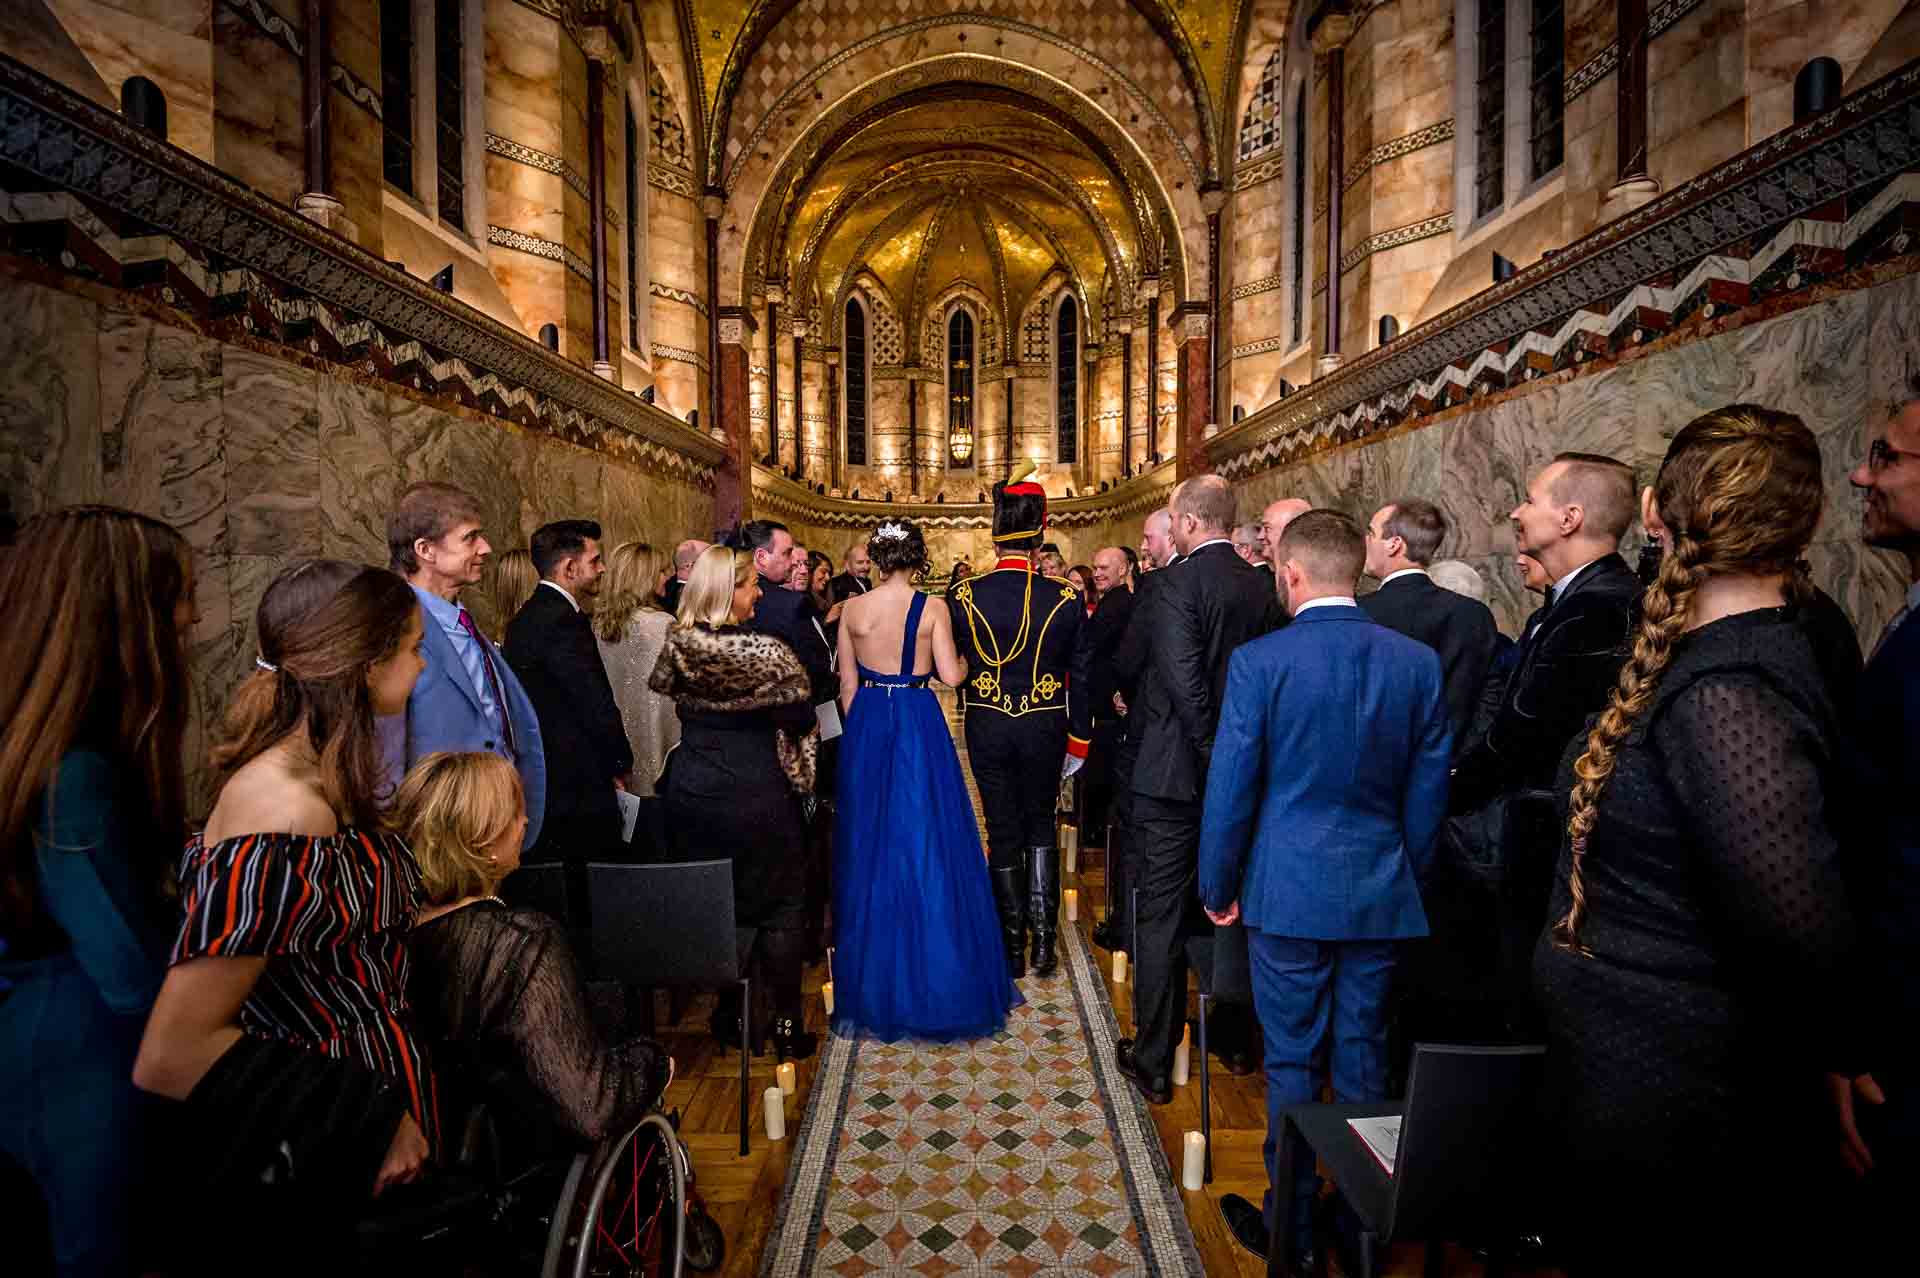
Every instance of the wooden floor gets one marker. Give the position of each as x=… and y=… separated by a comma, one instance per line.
x=743, y=1194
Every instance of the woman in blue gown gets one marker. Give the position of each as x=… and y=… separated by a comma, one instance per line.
x=919, y=953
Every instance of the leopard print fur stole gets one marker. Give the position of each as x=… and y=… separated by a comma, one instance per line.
x=727, y=669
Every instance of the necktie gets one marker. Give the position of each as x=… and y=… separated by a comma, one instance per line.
x=493, y=677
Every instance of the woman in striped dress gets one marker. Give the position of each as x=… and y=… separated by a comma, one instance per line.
x=283, y=1021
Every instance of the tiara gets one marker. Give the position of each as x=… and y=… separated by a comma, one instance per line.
x=890, y=532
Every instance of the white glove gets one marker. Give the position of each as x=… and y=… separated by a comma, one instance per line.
x=1071, y=766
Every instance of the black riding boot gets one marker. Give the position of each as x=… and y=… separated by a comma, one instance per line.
x=1043, y=906
x=1010, y=899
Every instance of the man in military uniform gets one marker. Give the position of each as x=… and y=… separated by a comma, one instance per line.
x=1027, y=714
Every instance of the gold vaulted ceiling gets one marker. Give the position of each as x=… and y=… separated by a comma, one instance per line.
x=984, y=193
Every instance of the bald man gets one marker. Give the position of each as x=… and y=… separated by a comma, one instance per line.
x=1273, y=522
x=1156, y=541
x=684, y=557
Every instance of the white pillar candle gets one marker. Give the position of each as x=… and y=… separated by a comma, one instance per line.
x=1119, y=967
x=1070, y=846
x=826, y=996
x=1193, y=1163
x=1073, y=905
x=1183, y=1060
x=788, y=1076
x=775, y=1103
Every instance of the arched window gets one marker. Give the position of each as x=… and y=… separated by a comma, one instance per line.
x=1511, y=104
x=853, y=360
x=1066, y=380
x=396, y=92
x=960, y=360
x=1547, y=106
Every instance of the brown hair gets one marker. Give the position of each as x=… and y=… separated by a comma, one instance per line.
x=425, y=512
x=1208, y=499
x=1603, y=489
x=514, y=582
x=90, y=655
x=1420, y=524
x=1740, y=493
x=451, y=809
x=632, y=568
x=1329, y=543
x=320, y=625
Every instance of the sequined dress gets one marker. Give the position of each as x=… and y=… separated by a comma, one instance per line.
x=652, y=726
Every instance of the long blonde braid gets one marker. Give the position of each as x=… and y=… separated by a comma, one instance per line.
x=1740, y=493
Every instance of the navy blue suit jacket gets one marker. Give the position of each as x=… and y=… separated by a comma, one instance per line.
x=1328, y=782
x=443, y=713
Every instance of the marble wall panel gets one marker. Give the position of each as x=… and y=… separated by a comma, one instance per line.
x=272, y=412
x=362, y=471
x=258, y=135
x=163, y=445
x=49, y=399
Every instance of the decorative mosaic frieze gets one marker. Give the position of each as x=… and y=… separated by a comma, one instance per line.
x=680, y=295
x=680, y=355
x=1260, y=171
x=670, y=178
x=1394, y=238
x=1252, y=288
x=1659, y=19
x=776, y=495
x=1260, y=347
x=546, y=162
x=1835, y=194
x=92, y=196
x=1394, y=148
x=520, y=241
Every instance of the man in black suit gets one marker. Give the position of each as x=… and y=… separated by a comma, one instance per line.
x=1113, y=575
x=1571, y=521
x=685, y=556
x=1209, y=603
x=854, y=581
x=550, y=646
x=784, y=612
x=1402, y=540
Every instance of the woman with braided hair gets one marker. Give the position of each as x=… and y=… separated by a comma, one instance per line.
x=1693, y=980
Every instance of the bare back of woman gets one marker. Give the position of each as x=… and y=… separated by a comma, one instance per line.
x=873, y=636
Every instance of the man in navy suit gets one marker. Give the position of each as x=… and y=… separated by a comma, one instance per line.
x=468, y=697
x=1884, y=859
x=1327, y=787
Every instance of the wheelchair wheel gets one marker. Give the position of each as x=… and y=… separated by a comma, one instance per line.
x=622, y=1211
x=706, y=1245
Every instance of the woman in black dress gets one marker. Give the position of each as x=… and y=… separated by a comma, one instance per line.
x=732, y=786
x=1694, y=984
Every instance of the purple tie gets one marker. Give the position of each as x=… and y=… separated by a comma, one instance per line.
x=493, y=679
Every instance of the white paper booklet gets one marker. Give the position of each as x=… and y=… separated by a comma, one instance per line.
x=1381, y=1136
x=629, y=813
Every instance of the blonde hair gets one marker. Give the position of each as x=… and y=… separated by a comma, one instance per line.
x=1740, y=493
x=451, y=809
x=708, y=596
x=632, y=568
x=514, y=582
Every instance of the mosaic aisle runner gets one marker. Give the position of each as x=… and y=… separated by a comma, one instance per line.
x=1021, y=1154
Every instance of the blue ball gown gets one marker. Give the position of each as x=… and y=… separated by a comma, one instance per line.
x=918, y=951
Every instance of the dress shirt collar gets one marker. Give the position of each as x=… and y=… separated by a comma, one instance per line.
x=1560, y=586
x=1404, y=572
x=1217, y=541
x=563, y=592
x=1913, y=597
x=444, y=611
x=1327, y=601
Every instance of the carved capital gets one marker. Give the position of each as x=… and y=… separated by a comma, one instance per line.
x=1149, y=288
x=776, y=295
x=1334, y=32
x=712, y=205
x=1213, y=198
x=732, y=331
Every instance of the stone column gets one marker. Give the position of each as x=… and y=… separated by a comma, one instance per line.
x=775, y=295
x=1213, y=199
x=1633, y=185
x=733, y=486
x=1194, y=405
x=317, y=203
x=712, y=205
x=833, y=424
x=1150, y=290
x=597, y=211
x=1330, y=39
x=913, y=434
x=1012, y=369
x=1126, y=397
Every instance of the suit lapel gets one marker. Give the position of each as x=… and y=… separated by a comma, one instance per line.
x=443, y=655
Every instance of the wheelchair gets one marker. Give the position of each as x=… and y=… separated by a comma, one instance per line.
x=625, y=1209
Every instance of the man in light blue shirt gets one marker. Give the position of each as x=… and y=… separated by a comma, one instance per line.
x=467, y=698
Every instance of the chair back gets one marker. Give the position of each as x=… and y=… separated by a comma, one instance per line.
x=664, y=925
x=1219, y=959
x=1464, y=1136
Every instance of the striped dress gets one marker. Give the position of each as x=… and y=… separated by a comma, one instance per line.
x=330, y=914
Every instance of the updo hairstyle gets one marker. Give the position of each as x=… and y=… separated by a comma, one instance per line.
x=898, y=546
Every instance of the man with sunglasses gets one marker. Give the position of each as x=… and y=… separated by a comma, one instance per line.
x=1880, y=1110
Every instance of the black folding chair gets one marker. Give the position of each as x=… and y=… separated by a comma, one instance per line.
x=1220, y=967
x=1464, y=1146
x=672, y=925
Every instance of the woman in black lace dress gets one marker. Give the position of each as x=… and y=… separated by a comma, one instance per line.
x=1694, y=985
x=496, y=988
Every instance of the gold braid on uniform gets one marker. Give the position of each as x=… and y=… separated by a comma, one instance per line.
x=1019, y=640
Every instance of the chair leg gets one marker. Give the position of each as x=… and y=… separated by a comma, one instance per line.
x=746, y=1051
x=1368, y=1265
x=1206, y=1100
